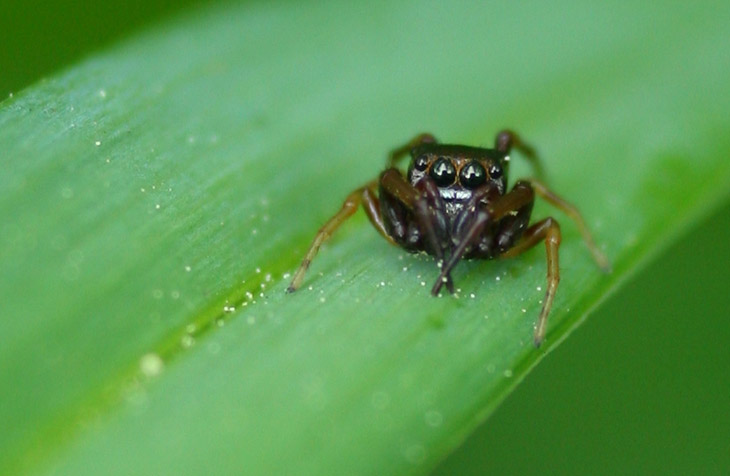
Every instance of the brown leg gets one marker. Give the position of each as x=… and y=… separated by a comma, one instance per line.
x=371, y=205
x=363, y=195
x=574, y=215
x=504, y=142
x=400, y=152
x=507, y=139
x=431, y=217
x=548, y=230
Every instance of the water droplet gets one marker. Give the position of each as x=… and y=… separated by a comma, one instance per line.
x=151, y=364
x=508, y=373
x=97, y=143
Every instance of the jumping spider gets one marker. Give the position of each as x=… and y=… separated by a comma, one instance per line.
x=453, y=204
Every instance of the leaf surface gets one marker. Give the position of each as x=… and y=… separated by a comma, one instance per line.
x=155, y=195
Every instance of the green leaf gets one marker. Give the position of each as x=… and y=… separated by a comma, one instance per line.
x=155, y=195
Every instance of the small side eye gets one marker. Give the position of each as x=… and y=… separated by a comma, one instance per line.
x=495, y=171
x=421, y=163
x=472, y=175
x=443, y=172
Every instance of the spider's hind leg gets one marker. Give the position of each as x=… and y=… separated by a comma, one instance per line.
x=569, y=209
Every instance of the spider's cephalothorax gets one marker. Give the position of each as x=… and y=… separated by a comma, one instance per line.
x=463, y=176
x=453, y=204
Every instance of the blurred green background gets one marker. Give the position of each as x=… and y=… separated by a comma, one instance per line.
x=643, y=387
x=39, y=37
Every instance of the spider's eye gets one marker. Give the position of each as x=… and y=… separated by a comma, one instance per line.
x=495, y=171
x=421, y=163
x=472, y=175
x=443, y=172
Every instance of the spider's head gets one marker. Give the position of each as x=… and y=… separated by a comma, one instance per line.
x=457, y=170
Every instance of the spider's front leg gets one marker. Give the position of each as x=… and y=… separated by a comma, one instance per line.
x=364, y=195
x=423, y=202
x=514, y=207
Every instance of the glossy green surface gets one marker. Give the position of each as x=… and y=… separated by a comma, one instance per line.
x=161, y=188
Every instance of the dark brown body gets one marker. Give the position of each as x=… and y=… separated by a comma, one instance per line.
x=453, y=204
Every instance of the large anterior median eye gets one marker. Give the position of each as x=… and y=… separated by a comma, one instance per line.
x=443, y=172
x=472, y=175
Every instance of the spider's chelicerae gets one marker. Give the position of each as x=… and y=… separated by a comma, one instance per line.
x=453, y=204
